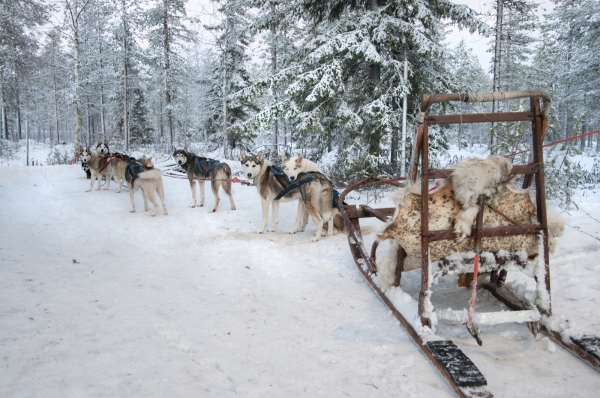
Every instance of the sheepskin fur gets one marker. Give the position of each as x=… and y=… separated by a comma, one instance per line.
x=444, y=208
x=472, y=177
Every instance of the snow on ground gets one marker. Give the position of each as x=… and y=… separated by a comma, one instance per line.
x=99, y=302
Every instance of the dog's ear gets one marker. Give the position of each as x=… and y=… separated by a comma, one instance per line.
x=259, y=157
x=174, y=149
x=284, y=158
x=185, y=148
x=299, y=159
x=242, y=155
x=105, y=142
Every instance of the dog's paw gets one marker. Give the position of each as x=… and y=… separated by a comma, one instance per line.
x=315, y=238
x=88, y=190
x=132, y=211
x=260, y=231
x=291, y=232
x=192, y=206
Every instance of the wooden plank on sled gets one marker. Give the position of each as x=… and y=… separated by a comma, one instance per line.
x=480, y=118
x=530, y=168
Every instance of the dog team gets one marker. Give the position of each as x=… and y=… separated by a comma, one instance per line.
x=298, y=179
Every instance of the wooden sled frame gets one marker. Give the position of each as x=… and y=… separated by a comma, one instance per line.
x=533, y=171
x=585, y=347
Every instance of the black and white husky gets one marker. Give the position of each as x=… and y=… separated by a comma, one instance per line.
x=102, y=148
x=269, y=187
x=201, y=169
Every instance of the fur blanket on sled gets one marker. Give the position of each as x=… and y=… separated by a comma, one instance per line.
x=453, y=205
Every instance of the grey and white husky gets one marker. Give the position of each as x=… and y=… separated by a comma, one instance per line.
x=317, y=194
x=201, y=169
x=269, y=187
x=143, y=176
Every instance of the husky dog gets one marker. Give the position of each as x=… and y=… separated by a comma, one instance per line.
x=102, y=148
x=317, y=194
x=84, y=165
x=99, y=166
x=118, y=165
x=202, y=169
x=269, y=187
x=142, y=175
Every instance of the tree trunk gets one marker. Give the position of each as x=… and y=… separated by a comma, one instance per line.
x=375, y=76
x=275, y=153
x=497, y=56
x=75, y=13
x=4, y=120
x=18, y=98
x=167, y=54
x=125, y=82
x=226, y=148
x=102, y=124
x=56, y=108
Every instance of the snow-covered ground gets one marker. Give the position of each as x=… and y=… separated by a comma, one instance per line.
x=99, y=302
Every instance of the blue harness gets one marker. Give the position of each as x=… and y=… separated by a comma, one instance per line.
x=279, y=174
x=134, y=169
x=336, y=195
x=211, y=164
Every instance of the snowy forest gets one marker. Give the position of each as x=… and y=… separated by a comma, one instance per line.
x=287, y=76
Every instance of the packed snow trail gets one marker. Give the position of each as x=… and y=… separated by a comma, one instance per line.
x=96, y=301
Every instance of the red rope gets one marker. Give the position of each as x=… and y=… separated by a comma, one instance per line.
x=555, y=142
x=474, y=288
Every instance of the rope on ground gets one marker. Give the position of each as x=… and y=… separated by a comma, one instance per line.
x=583, y=232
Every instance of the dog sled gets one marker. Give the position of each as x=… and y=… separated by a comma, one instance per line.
x=433, y=246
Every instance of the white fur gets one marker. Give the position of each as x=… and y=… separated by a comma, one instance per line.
x=148, y=182
x=472, y=177
x=296, y=165
x=255, y=171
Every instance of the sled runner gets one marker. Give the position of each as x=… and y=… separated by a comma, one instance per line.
x=508, y=232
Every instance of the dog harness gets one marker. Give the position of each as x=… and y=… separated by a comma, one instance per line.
x=134, y=170
x=285, y=181
x=336, y=195
x=210, y=165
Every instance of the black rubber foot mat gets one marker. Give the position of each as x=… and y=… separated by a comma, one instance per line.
x=462, y=370
x=589, y=344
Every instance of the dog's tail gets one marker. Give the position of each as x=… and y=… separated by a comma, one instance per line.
x=152, y=174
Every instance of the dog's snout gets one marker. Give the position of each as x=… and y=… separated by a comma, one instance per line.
x=249, y=175
x=292, y=178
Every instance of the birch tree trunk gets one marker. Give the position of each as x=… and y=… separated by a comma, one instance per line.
x=497, y=56
x=125, y=82
x=167, y=55
x=3, y=105
x=226, y=148
x=102, y=124
x=275, y=153
x=74, y=13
